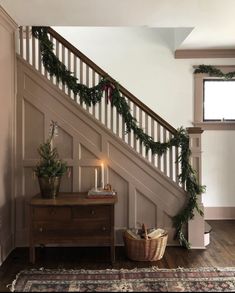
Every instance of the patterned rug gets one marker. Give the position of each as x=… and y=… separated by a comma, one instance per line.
x=137, y=280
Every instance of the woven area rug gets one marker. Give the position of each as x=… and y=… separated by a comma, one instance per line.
x=137, y=280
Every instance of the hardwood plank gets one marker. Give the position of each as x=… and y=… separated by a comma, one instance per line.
x=219, y=253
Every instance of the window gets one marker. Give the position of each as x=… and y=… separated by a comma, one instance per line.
x=219, y=100
x=214, y=101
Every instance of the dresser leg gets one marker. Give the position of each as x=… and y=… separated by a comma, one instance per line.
x=32, y=254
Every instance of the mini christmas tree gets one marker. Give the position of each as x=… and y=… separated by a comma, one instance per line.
x=50, y=165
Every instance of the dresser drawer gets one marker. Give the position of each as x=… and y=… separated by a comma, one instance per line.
x=95, y=227
x=91, y=212
x=75, y=229
x=51, y=213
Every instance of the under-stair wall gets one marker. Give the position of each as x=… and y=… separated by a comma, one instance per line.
x=144, y=194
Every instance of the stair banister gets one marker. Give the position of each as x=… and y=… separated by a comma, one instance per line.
x=88, y=73
x=100, y=71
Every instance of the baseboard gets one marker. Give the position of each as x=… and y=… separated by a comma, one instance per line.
x=198, y=247
x=219, y=213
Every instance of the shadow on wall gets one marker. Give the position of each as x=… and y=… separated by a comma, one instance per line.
x=6, y=201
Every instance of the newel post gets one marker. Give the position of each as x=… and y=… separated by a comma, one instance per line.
x=196, y=227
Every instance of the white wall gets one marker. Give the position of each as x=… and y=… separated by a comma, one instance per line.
x=142, y=60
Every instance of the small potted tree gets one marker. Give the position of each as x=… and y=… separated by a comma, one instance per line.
x=50, y=168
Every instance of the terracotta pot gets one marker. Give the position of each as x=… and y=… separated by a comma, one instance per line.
x=49, y=187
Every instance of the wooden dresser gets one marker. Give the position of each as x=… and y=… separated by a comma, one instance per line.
x=72, y=218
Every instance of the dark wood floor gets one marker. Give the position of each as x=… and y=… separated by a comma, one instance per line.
x=219, y=253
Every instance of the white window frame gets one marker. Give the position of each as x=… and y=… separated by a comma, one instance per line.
x=199, y=99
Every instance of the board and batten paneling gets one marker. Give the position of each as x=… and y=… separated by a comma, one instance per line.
x=145, y=195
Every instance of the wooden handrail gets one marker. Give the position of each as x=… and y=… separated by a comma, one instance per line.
x=101, y=72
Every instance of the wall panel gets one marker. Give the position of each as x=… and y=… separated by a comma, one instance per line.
x=144, y=193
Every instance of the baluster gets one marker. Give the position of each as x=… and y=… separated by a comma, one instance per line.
x=129, y=133
x=153, y=136
x=111, y=117
x=81, y=79
x=147, y=132
x=100, y=104
x=177, y=165
x=135, y=116
x=123, y=127
x=164, y=155
x=69, y=68
x=57, y=55
x=39, y=58
x=45, y=72
x=171, y=157
x=159, y=161
x=105, y=109
x=48, y=74
x=123, y=130
x=21, y=42
x=33, y=52
x=141, y=126
x=27, y=44
x=93, y=84
x=52, y=77
x=87, y=82
x=75, y=72
x=118, y=124
x=63, y=61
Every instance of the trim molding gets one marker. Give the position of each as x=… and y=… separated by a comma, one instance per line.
x=205, y=53
x=6, y=19
x=219, y=213
x=223, y=125
x=198, y=102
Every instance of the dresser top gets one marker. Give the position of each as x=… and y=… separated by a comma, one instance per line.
x=71, y=199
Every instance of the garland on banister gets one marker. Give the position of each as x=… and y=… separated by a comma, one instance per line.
x=93, y=95
x=213, y=71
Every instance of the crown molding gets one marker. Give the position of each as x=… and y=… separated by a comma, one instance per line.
x=205, y=53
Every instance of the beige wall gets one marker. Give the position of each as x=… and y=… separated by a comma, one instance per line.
x=7, y=120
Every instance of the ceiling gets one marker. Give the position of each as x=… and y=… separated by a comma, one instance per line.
x=196, y=24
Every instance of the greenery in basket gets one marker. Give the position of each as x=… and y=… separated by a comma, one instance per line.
x=50, y=165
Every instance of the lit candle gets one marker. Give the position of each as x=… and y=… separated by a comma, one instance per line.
x=102, y=175
x=95, y=178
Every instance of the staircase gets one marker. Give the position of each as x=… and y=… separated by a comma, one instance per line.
x=148, y=187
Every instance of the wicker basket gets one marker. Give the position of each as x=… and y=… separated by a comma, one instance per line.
x=145, y=249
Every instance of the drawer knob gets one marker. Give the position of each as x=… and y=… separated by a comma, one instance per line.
x=103, y=228
x=40, y=229
x=92, y=212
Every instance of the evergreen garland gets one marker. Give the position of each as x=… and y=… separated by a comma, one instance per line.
x=93, y=95
x=213, y=71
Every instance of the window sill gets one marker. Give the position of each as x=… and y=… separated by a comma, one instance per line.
x=215, y=125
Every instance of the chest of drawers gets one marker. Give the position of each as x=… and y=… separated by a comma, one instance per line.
x=72, y=218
